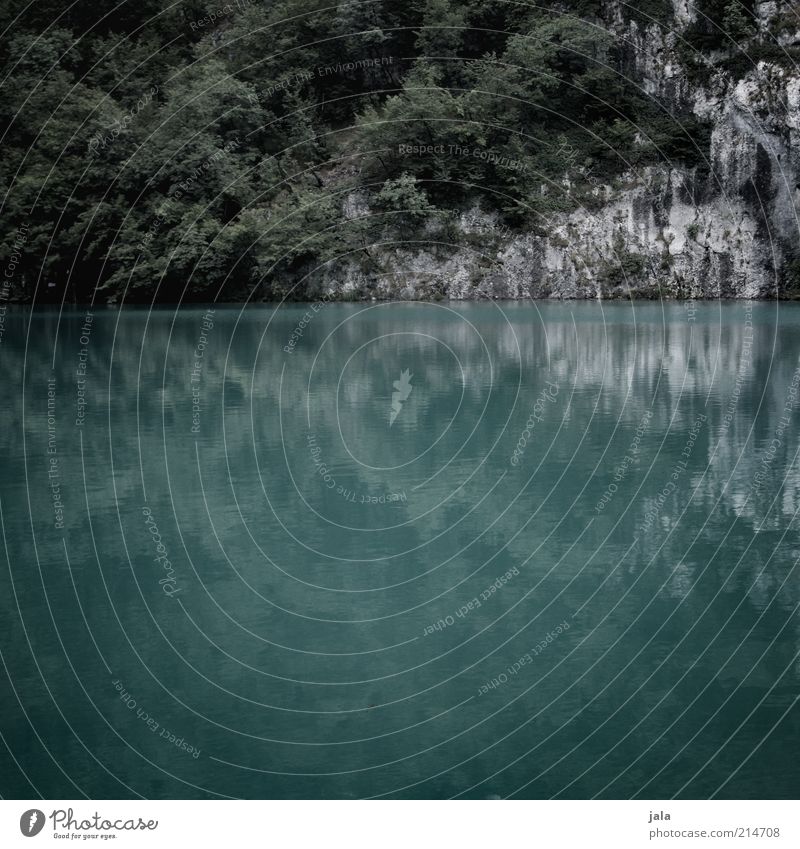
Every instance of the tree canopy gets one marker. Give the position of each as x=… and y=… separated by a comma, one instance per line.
x=164, y=151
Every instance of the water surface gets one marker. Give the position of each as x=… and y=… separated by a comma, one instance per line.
x=557, y=559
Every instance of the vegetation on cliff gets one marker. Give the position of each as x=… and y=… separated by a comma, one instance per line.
x=182, y=151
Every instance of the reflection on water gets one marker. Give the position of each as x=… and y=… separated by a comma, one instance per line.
x=402, y=549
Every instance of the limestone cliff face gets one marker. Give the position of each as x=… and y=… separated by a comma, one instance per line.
x=728, y=229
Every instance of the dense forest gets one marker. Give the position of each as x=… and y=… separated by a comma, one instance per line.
x=188, y=151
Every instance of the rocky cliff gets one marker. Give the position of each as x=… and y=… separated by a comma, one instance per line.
x=725, y=228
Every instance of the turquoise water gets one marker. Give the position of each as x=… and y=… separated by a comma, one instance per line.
x=401, y=550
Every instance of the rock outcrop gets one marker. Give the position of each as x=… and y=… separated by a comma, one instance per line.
x=727, y=228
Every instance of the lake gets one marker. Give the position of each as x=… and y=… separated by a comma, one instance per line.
x=436, y=550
